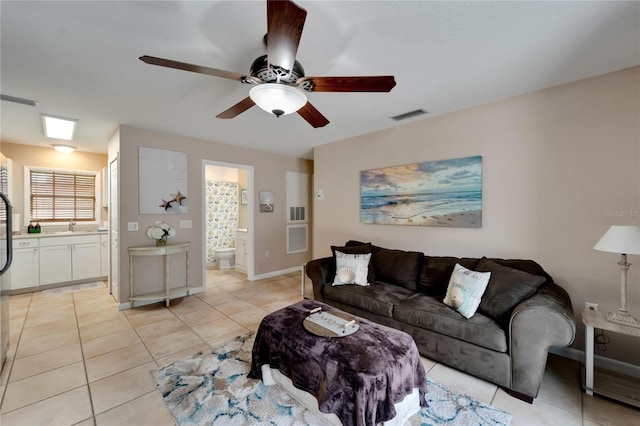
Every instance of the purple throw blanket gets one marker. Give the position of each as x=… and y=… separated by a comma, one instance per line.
x=358, y=377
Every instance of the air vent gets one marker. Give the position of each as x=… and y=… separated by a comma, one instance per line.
x=296, y=214
x=409, y=114
x=22, y=101
x=297, y=238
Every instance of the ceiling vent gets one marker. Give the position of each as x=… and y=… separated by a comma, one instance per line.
x=409, y=114
x=17, y=100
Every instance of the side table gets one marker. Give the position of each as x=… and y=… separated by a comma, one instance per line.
x=608, y=383
x=167, y=292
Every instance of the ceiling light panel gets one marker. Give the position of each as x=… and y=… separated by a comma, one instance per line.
x=59, y=127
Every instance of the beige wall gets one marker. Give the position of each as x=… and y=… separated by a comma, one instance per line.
x=559, y=167
x=27, y=155
x=269, y=173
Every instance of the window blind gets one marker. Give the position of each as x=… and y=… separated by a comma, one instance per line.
x=57, y=196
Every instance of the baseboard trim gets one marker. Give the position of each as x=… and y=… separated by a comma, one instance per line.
x=277, y=273
x=599, y=361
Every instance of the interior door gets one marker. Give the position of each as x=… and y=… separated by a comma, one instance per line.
x=113, y=228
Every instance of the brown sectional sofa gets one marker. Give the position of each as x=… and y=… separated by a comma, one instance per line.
x=522, y=313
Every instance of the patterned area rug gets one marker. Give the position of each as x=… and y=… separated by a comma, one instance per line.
x=212, y=388
x=73, y=288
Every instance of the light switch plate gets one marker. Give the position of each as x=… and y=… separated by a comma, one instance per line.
x=185, y=224
x=132, y=226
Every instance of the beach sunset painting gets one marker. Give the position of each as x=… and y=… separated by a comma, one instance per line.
x=434, y=193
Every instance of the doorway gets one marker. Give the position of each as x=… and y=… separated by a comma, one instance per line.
x=227, y=207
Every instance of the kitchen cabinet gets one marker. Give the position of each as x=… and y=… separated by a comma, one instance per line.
x=85, y=260
x=69, y=258
x=25, y=269
x=104, y=255
x=104, y=194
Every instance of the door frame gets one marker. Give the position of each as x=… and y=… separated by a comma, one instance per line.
x=250, y=196
x=113, y=213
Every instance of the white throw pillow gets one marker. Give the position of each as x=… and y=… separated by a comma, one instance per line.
x=352, y=268
x=465, y=290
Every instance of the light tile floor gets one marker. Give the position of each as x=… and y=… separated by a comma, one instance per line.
x=75, y=359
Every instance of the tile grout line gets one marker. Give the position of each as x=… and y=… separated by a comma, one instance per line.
x=84, y=361
x=25, y=378
x=15, y=353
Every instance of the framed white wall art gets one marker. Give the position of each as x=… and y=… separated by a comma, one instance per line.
x=162, y=181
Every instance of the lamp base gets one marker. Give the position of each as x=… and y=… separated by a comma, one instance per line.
x=623, y=318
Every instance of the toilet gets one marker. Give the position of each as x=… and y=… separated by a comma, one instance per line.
x=226, y=257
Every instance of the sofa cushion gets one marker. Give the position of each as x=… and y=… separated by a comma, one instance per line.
x=507, y=287
x=378, y=298
x=465, y=289
x=351, y=268
x=436, y=272
x=523, y=265
x=362, y=248
x=397, y=267
x=421, y=310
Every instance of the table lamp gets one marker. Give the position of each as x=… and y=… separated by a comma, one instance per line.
x=623, y=239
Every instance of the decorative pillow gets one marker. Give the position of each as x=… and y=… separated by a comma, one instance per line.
x=363, y=248
x=465, y=290
x=436, y=272
x=398, y=267
x=352, y=268
x=507, y=287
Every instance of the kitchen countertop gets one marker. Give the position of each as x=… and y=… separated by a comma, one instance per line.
x=47, y=234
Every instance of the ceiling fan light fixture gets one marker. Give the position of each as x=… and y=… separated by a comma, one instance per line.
x=59, y=127
x=277, y=99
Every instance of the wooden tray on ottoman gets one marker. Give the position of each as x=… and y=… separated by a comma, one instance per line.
x=330, y=324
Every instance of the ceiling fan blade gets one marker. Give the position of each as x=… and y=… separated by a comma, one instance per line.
x=383, y=83
x=285, y=22
x=313, y=116
x=152, y=60
x=237, y=109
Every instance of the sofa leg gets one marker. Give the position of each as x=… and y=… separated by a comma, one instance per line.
x=520, y=396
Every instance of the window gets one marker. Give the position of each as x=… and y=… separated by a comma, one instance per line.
x=60, y=196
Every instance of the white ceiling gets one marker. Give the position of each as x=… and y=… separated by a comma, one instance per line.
x=80, y=60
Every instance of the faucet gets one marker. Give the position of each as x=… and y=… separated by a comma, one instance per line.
x=71, y=225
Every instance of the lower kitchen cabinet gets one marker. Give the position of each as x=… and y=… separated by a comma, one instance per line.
x=52, y=259
x=69, y=258
x=25, y=269
x=105, y=248
x=85, y=261
x=55, y=264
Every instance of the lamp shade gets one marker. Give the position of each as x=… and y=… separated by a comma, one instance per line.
x=278, y=99
x=623, y=239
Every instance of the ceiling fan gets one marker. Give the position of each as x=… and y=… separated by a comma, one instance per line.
x=279, y=82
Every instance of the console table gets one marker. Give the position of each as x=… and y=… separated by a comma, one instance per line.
x=604, y=382
x=168, y=292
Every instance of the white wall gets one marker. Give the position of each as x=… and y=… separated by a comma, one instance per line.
x=559, y=167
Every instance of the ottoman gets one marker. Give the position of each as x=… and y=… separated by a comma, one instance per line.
x=362, y=378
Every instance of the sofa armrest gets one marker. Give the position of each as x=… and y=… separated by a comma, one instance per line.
x=543, y=320
x=320, y=272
